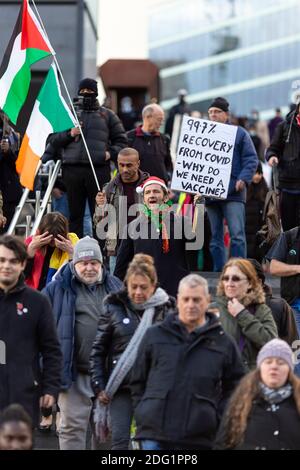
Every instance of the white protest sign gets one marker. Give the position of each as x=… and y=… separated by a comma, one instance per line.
x=204, y=157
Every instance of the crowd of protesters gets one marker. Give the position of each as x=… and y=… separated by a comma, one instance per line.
x=115, y=329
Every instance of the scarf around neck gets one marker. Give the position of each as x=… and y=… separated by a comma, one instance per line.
x=126, y=361
x=275, y=395
x=157, y=218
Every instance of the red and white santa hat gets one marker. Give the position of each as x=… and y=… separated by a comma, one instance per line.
x=151, y=180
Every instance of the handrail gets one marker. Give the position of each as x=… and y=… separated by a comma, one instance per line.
x=46, y=197
x=18, y=211
x=40, y=206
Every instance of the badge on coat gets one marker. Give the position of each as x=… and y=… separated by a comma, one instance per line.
x=126, y=321
x=21, y=309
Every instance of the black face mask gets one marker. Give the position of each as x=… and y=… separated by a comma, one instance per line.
x=88, y=100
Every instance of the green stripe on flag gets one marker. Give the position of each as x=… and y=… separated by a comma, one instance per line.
x=34, y=55
x=52, y=104
x=17, y=93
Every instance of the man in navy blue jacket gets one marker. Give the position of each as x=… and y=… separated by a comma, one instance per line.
x=244, y=164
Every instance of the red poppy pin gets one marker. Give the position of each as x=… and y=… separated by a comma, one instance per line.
x=21, y=309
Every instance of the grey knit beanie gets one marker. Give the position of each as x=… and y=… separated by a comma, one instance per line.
x=276, y=348
x=87, y=249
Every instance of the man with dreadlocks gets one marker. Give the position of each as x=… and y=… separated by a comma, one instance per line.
x=160, y=233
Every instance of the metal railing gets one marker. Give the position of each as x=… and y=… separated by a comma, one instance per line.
x=40, y=205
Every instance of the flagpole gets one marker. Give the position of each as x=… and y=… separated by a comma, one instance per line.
x=70, y=100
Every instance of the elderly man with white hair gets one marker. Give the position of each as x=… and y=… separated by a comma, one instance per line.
x=185, y=371
x=152, y=145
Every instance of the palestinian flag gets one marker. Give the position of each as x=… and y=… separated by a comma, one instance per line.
x=50, y=114
x=28, y=44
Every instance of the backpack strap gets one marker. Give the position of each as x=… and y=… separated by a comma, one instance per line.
x=112, y=191
x=269, y=196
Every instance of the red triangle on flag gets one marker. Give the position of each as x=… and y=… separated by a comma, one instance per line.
x=32, y=37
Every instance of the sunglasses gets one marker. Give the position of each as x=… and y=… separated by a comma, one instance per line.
x=233, y=278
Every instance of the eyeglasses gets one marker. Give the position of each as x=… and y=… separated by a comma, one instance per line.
x=233, y=278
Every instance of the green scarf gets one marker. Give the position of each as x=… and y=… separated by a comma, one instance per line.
x=157, y=217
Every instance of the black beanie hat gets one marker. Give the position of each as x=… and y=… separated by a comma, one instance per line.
x=89, y=83
x=258, y=268
x=220, y=103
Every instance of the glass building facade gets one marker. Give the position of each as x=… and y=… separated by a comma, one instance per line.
x=245, y=50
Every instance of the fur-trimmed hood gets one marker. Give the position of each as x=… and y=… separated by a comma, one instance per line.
x=255, y=296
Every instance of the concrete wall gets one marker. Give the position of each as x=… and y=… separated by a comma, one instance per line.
x=60, y=22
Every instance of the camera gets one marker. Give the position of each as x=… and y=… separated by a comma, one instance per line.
x=83, y=103
x=78, y=106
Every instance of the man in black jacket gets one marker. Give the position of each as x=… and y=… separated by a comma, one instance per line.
x=27, y=335
x=105, y=137
x=284, y=151
x=187, y=367
x=10, y=186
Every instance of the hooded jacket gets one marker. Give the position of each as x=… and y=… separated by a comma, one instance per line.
x=181, y=382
